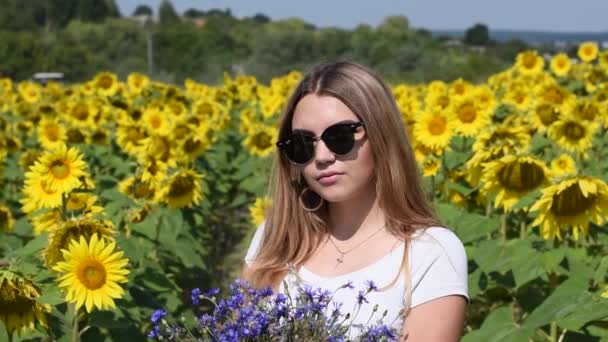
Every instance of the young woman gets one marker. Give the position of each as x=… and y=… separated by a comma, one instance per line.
x=348, y=205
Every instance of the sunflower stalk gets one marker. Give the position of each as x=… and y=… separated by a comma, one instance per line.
x=75, y=330
x=503, y=227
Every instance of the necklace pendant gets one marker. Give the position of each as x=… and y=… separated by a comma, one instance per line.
x=340, y=260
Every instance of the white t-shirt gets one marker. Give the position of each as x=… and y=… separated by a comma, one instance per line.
x=438, y=264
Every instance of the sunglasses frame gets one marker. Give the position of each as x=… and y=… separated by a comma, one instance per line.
x=282, y=144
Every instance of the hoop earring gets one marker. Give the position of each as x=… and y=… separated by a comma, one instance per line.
x=321, y=200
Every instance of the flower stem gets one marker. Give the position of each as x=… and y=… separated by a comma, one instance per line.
x=75, y=332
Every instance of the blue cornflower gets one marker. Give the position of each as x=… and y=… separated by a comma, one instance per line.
x=335, y=339
x=280, y=298
x=154, y=332
x=157, y=315
x=348, y=285
x=371, y=286
x=214, y=291
x=361, y=298
x=194, y=296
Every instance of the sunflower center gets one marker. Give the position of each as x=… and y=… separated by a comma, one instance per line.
x=105, y=82
x=554, y=95
x=3, y=218
x=181, y=186
x=156, y=122
x=529, y=61
x=262, y=140
x=75, y=136
x=60, y=169
x=205, y=109
x=467, y=113
x=521, y=176
x=571, y=201
x=546, y=114
x=92, y=274
x=76, y=201
x=14, y=302
x=81, y=112
x=191, y=145
x=437, y=125
x=573, y=130
x=586, y=112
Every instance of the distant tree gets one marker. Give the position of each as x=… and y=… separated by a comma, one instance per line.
x=166, y=13
x=260, y=18
x=478, y=35
x=96, y=10
x=143, y=10
x=194, y=13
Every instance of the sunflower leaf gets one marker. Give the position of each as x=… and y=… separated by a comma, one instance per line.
x=51, y=295
x=539, y=142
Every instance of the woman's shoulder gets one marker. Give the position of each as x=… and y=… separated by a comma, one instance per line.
x=435, y=242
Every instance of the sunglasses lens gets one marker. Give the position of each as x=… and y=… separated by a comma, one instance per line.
x=339, y=139
x=301, y=148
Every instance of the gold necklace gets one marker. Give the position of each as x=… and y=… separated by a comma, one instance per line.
x=341, y=258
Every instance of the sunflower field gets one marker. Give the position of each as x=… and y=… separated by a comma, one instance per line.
x=119, y=197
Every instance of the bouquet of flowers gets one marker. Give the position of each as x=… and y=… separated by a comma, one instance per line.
x=262, y=315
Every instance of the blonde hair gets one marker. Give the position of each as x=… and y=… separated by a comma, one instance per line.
x=291, y=234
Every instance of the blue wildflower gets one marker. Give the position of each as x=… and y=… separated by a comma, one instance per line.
x=154, y=332
x=361, y=298
x=371, y=286
x=194, y=296
x=157, y=315
x=212, y=292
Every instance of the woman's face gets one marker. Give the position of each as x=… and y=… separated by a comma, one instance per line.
x=355, y=169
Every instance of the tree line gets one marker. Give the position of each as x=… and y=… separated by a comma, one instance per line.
x=83, y=37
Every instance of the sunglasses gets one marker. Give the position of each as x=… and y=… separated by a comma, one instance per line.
x=339, y=138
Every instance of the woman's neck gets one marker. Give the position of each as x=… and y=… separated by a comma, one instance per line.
x=360, y=215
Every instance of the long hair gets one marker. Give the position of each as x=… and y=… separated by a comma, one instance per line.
x=291, y=234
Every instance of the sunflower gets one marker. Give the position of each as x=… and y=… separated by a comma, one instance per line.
x=51, y=133
x=105, y=83
x=563, y=165
x=553, y=93
x=519, y=97
x=468, y=118
x=460, y=88
x=7, y=221
x=260, y=140
x=512, y=177
x=195, y=144
x=543, y=115
x=560, y=64
x=19, y=309
x=271, y=106
x=584, y=109
x=587, y=51
x=137, y=82
x=61, y=169
x=83, y=202
x=82, y=113
x=75, y=135
x=158, y=147
x=502, y=140
x=156, y=121
x=154, y=171
x=603, y=60
x=430, y=166
x=573, y=202
x=37, y=194
x=92, y=272
x=183, y=189
x=572, y=134
x=434, y=129
x=129, y=136
x=47, y=221
x=137, y=189
x=259, y=210
x=529, y=62
x=31, y=92
x=71, y=229
x=24, y=127
x=28, y=158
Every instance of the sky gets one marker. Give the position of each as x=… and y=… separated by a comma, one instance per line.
x=537, y=15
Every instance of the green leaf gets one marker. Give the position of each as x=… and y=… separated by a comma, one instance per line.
x=563, y=301
x=528, y=200
x=539, y=142
x=525, y=261
x=453, y=159
x=464, y=190
x=468, y=226
x=51, y=295
x=499, y=326
x=33, y=247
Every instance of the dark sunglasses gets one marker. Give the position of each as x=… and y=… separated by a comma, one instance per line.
x=339, y=138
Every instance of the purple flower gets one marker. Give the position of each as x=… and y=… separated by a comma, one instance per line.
x=348, y=285
x=361, y=298
x=214, y=291
x=157, y=315
x=194, y=296
x=154, y=332
x=371, y=286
